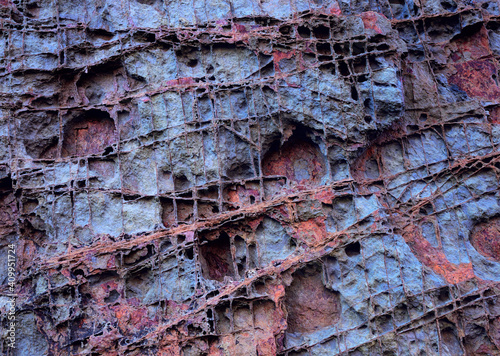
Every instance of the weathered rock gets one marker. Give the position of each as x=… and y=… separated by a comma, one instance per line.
x=250, y=178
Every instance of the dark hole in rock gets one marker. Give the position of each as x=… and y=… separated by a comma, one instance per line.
x=166, y=246
x=189, y=253
x=374, y=63
x=469, y=299
x=368, y=103
x=285, y=30
x=321, y=32
x=6, y=184
x=358, y=48
x=32, y=10
x=444, y=295
x=384, y=323
x=449, y=5
x=80, y=330
x=383, y=47
x=252, y=256
x=100, y=34
x=323, y=48
x=241, y=268
x=354, y=93
x=353, y=249
x=131, y=197
x=426, y=209
x=147, y=2
x=304, y=31
x=144, y=36
x=344, y=69
x=88, y=133
x=341, y=49
x=216, y=260
x=359, y=65
x=310, y=305
x=211, y=192
x=192, y=63
x=78, y=272
x=8, y=207
x=328, y=68
x=362, y=79
x=113, y=297
x=212, y=294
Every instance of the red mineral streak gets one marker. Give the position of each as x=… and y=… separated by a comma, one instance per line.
x=472, y=47
x=485, y=237
x=312, y=232
x=434, y=258
x=494, y=117
x=278, y=56
x=476, y=79
x=371, y=21
x=297, y=160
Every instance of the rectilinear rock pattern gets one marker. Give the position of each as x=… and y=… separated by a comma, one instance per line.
x=251, y=177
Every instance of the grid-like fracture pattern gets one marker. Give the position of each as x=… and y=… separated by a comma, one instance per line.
x=251, y=177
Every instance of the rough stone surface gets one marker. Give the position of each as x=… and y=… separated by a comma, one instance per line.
x=253, y=178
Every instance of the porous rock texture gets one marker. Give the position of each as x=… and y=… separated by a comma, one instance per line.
x=251, y=177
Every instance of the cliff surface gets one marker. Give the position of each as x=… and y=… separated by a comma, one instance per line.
x=250, y=177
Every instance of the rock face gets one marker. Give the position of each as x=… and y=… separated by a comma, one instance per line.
x=251, y=177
